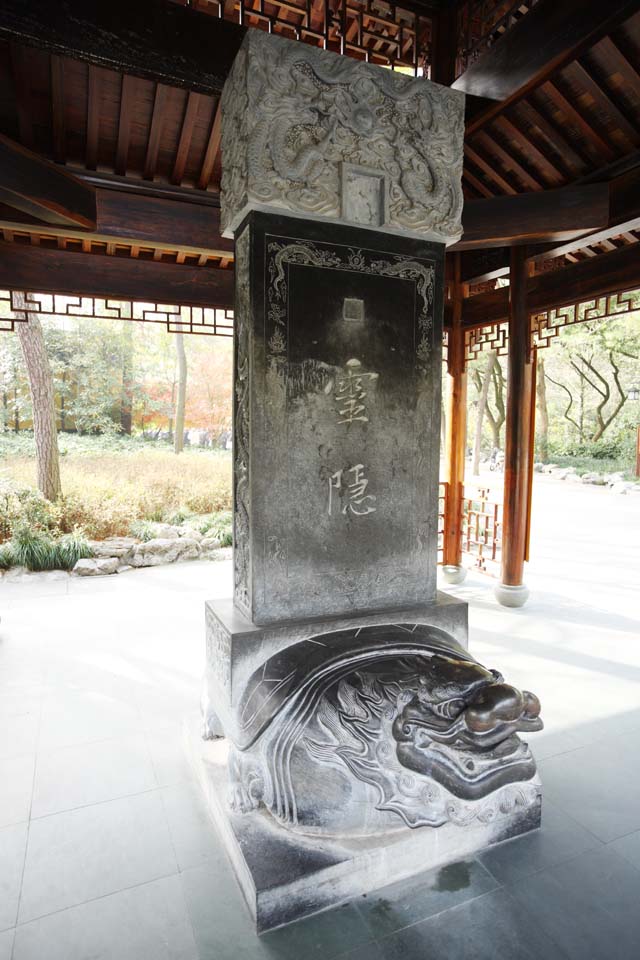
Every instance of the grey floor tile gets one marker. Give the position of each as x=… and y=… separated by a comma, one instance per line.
x=491, y=927
x=94, y=851
x=18, y=735
x=6, y=944
x=91, y=773
x=402, y=904
x=598, y=785
x=222, y=926
x=370, y=951
x=558, y=839
x=16, y=777
x=193, y=834
x=323, y=936
x=224, y=930
x=629, y=848
x=149, y=922
x=13, y=842
x=590, y=905
x=84, y=716
x=169, y=758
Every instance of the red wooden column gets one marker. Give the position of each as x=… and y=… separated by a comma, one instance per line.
x=456, y=423
x=512, y=592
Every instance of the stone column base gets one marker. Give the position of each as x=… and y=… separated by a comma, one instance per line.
x=454, y=573
x=512, y=595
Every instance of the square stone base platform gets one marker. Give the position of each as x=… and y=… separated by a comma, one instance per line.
x=285, y=876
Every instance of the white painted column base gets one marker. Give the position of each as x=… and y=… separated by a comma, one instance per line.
x=454, y=573
x=512, y=595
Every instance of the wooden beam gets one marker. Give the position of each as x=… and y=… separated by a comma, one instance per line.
x=602, y=99
x=43, y=190
x=599, y=276
x=527, y=145
x=126, y=217
x=534, y=217
x=186, y=133
x=57, y=109
x=155, y=132
x=542, y=42
x=93, y=116
x=212, y=156
x=165, y=42
x=60, y=271
x=577, y=118
x=508, y=160
x=489, y=169
x=554, y=137
x=127, y=98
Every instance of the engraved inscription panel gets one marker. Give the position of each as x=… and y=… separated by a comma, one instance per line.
x=345, y=420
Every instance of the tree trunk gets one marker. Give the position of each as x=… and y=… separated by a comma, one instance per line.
x=482, y=406
x=178, y=440
x=126, y=400
x=543, y=413
x=43, y=402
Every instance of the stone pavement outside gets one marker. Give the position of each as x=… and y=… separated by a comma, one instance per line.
x=106, y=852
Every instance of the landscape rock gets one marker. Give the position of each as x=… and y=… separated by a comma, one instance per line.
x=164, y=550
x=622, y=486
x=164, y=531
x=191, y=534
x=209, y=544
x=550, y=467
x=124, y=567
x=99, y=567
x=17, y=573
x=612, y=478
x=538, y=467
x=112, y=547
x=596, y=478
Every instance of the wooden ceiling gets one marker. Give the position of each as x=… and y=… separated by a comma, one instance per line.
x=145, y=132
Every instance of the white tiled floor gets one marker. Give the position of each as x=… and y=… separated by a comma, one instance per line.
x=106, y=851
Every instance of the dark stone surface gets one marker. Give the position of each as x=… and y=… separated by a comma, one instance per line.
x=337, y=419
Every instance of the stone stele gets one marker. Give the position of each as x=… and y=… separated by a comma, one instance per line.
x=315, y=134
x=352, y=739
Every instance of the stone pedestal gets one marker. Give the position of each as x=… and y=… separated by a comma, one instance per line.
x=361, y=740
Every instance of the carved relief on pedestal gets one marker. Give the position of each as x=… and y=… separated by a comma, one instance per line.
x=318, y=134
x=345, y=733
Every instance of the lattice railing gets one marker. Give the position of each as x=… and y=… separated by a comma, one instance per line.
x=183, y=318
x=481, y=529
x=390, y=34
x=443, y=491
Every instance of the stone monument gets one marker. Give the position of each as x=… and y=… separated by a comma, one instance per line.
x=351, y=739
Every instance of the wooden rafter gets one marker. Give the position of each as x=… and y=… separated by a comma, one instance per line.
x=186, y=133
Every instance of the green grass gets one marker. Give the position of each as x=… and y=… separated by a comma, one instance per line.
x=585, y=464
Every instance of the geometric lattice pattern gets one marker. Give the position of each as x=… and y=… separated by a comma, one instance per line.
x=211, y=321
x=481, y=22
x=385, y=33
x=494, y=337
x=481, y=529
x=546, y=326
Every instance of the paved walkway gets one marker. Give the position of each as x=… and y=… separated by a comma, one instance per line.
x=106, y=852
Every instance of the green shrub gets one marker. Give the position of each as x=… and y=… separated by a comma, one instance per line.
x=70, y=548
x=143, y=530
x=38, y=551
x=222, y=528
x=7, y=559
x=33, y=549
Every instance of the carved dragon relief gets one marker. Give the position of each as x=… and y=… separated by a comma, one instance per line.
x=359, y=735
x=241, y=426
x=293, y=114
